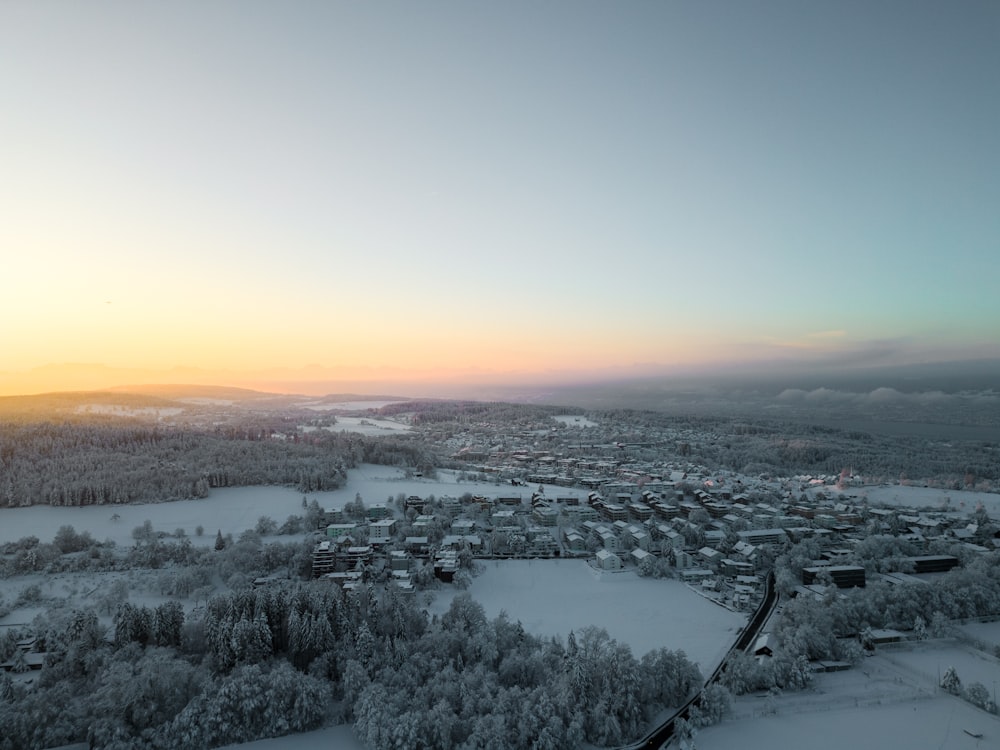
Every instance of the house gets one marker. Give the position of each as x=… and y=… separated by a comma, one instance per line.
x=378, y=511
x=446, y=565
x=682, y=559
x=347, y=580
x=574, y=541
x=399, y=561
x=759, y=537
x=323, y=559
x=843, y=576
x=380, y=532
x=422, y=521
x=544, y=515
x=764, y=645
x=338, y=530
x=737, y=568
x=608, y=560
x=353, y=555
x=540, y=541
x=417, y=544
x=710, y=557
x=580, y=513
x=458, y=541
x=696, y=575
x=714, y=537
x=416, y=502
x=638, y=555
x=613, y=512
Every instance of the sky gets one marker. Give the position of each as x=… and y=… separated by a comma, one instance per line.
x=223, y=190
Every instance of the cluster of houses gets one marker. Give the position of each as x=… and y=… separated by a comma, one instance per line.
x=707, y=528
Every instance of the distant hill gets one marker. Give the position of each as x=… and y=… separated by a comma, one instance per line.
x=180, y=391
x=46, y=404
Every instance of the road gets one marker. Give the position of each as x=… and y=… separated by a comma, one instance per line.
x=659, y=736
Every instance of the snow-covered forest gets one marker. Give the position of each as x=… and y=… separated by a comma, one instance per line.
x=269, y=661
x=87, y=462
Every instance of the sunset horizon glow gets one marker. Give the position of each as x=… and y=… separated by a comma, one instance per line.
x=241, y=193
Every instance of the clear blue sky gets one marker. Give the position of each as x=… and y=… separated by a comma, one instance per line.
x=500, y=187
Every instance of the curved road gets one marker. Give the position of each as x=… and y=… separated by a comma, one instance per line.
x=661, y=734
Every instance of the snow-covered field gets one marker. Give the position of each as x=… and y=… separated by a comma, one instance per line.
x=962, y=501
x=79, y=590
x=234, y=509
x=888, y=700
x=553, y=597
x=983, y=632
x=377, y=483
x=936, y=723
x=130, y=411
x=347, y=405
x=928, y=660
x=333, y=738
x=365, y=426
x=231, y=510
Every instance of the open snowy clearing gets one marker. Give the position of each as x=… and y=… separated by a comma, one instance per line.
x=338, y=738
x=236, y=509
x=377, y=483
x=81, y=590
x=983, y=632
x=346, y=405
x=365, y=425
x=963, y=501
x=917, y=724
x=118, y=410
x=231, y=510
x=931, y=659
x=887, y=700
x=553, y=597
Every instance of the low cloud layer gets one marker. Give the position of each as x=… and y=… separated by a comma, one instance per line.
x=883, y=397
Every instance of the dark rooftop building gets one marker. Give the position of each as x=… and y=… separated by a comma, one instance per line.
x=843, y=576
x=933, y=563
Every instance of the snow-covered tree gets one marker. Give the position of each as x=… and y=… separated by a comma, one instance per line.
x=951, y=682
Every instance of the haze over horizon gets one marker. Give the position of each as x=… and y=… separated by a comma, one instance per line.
x=494, y=193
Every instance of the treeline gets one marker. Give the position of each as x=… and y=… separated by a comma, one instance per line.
x=112, y=462
x=270, y=661
x=788, y=448
x=475, y=412
x=817, y=630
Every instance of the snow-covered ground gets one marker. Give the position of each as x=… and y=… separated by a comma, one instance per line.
x=346, y=405
x=79, y=590
x=930, y=659
x=377, y=483
x=888, y=700
x=365, y=426
x=553, y=597
x=962, y=501
x=983, y=632
x=119, y=410
x=236, y=509
x=333, y=738
x=231, y=510
x=936, y=723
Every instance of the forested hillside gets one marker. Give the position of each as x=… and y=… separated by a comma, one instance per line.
x=111, y=461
